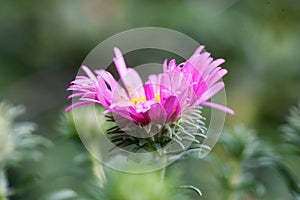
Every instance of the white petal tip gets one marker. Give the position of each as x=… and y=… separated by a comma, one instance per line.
x=199, y=49
x=118, y=52
x=230, y=112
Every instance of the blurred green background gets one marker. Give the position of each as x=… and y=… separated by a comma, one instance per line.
x=43, y=43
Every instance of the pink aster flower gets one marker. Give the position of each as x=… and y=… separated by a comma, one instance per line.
x=163, y=99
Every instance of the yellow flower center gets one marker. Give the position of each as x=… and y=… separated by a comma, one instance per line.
x=142, y=99
x=137, y=100
x=157, y=97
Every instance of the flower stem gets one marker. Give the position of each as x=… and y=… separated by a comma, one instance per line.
x=97, y=167
x=98, y=172
x=3, y=185
x=162, y=173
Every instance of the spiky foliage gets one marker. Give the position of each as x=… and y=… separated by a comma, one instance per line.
x=291, y=130
x=16, y=139
x=240, y=154
x=70, y=125
x=188, y=129
x=17, y=142
x=117, y=185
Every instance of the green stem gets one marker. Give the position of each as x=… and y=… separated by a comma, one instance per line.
x=97, y=168
x=98, y=172
x=3, y=185
x=162, y=173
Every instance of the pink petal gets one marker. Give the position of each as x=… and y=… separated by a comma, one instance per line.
x=75, y=105
x=212, y=66
x=90, y=100
x=101, y=87
x=149, y=92
x=172, y=107
x=109, y=79
x=165, y=65
x=144, y=106
x=130, y=78
x=123, y=112
x=89, y=73
x=219, y=107
x=155, y=81
x=213, y=79
x=199, y=49
x=210, y=92
x=133, y=83
x=157, y=114
x=120, y=62
x=172, y=64
x=119, y=95
x=75, y=95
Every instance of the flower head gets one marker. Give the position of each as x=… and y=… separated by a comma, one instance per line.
x=159, y=102
x=180, y=86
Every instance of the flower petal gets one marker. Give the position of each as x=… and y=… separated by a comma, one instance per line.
x=89, y=73
x=120, y=62
x=75, y=105
x=217, y=76
x=219, y=107
x=172, y=107
x=210, y=92
x=199, y=49
x=149, y=92
x=130, y=78
x=157, y=114
x=108, y=78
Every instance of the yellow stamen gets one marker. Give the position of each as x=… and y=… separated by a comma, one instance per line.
x=137, y=100
x=142, y=99
x=157, y=97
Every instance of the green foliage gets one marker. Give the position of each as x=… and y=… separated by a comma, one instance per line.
x=258, y=38
x=117, y=185
x=239, y=157
x=76, y=162
x=17, y=142
x=150, y=186
x=291, y=130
